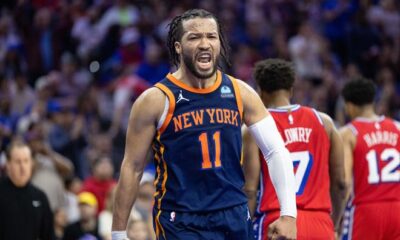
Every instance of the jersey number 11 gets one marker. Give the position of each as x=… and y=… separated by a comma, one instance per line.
x=203, y=138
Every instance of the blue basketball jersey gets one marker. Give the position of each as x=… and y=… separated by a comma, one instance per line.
x=198, y=147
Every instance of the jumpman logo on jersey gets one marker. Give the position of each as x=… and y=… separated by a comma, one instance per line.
x=181, y=97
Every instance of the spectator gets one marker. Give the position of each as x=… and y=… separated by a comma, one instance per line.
x=388, y=93
x=24, y=210
x=87, y=226
x=22, y=95
x=66, y=136
x=43, y=44
x=101, y=182
x=130, y=52
x=100, y=145
x=142, y=209
x=73, y=80
x=60, y=222
x=306, y=50
x=336, y=15
x=105, y=216
x=73, y=186
x=86, y=32
x=122, y=13
x=365, y=44
x=154, y=67
x=386, y=16
x=137, y=230
x=50, y=168
x=6, y=121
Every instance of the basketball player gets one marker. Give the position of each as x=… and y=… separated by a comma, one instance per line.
x=192, y=119
x=316, y=151
x=372, y=161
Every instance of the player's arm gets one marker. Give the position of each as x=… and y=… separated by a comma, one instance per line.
x=252, y=168
x=338, y=183
x=140, y=134
x=263, y=128
x=349, y=141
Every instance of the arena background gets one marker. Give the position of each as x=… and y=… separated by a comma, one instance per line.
x=70, y=70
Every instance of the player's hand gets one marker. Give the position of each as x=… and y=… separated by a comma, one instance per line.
x=337, y=235
x=284, y=228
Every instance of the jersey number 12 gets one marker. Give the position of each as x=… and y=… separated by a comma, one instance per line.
x=389, y=173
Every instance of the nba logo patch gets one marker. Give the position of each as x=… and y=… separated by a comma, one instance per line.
x=226, y=92
x=172, y=217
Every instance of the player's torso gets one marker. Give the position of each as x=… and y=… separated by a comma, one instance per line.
x=198, y=154
x=305, y=137
x=376, y=160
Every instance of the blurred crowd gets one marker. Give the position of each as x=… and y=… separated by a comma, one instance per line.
x=70, y=70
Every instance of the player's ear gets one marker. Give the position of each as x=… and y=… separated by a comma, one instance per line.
x=178, y=47
x=348, y=108
x=258, y=90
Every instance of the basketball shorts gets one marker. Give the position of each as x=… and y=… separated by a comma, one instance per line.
x=227, y=224
x=373, y=221
x=311, y=225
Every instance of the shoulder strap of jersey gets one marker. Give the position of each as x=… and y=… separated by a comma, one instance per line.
x=239, y=102
x=352, y=128
x=318, y=116
x=397, y=124
x=171, y=108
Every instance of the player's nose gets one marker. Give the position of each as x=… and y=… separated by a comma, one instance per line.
x=204, y=44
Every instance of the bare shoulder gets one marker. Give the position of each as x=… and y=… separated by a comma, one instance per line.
x=347, y=133
x=245, y=89
x=150, y=104
x=327, y=121
x=253, y=108
x=248, y=94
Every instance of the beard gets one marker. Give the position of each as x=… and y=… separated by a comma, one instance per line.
x=190, y=64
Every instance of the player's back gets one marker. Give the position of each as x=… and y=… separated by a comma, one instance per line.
x=376, y=160
x=305, y=137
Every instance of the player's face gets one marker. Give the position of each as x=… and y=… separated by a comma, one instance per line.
x=19, y=166
x=200, y=46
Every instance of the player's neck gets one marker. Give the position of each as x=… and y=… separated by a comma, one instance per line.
x=184, y=75
x=278, y=104
x=368, y=113
x=277, y=99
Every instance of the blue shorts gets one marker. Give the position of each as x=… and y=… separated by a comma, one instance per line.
x=231, y=223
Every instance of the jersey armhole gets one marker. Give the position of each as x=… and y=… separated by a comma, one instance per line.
x=352, y=129
x=170, y=103
x=238, y=96
x=164, y=114
x=318, y=116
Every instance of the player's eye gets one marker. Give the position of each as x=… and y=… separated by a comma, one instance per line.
x=193, y=37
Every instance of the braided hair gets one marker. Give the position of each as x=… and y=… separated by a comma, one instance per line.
x=175, y=34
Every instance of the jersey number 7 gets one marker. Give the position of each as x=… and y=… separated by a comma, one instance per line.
x=303, y=161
